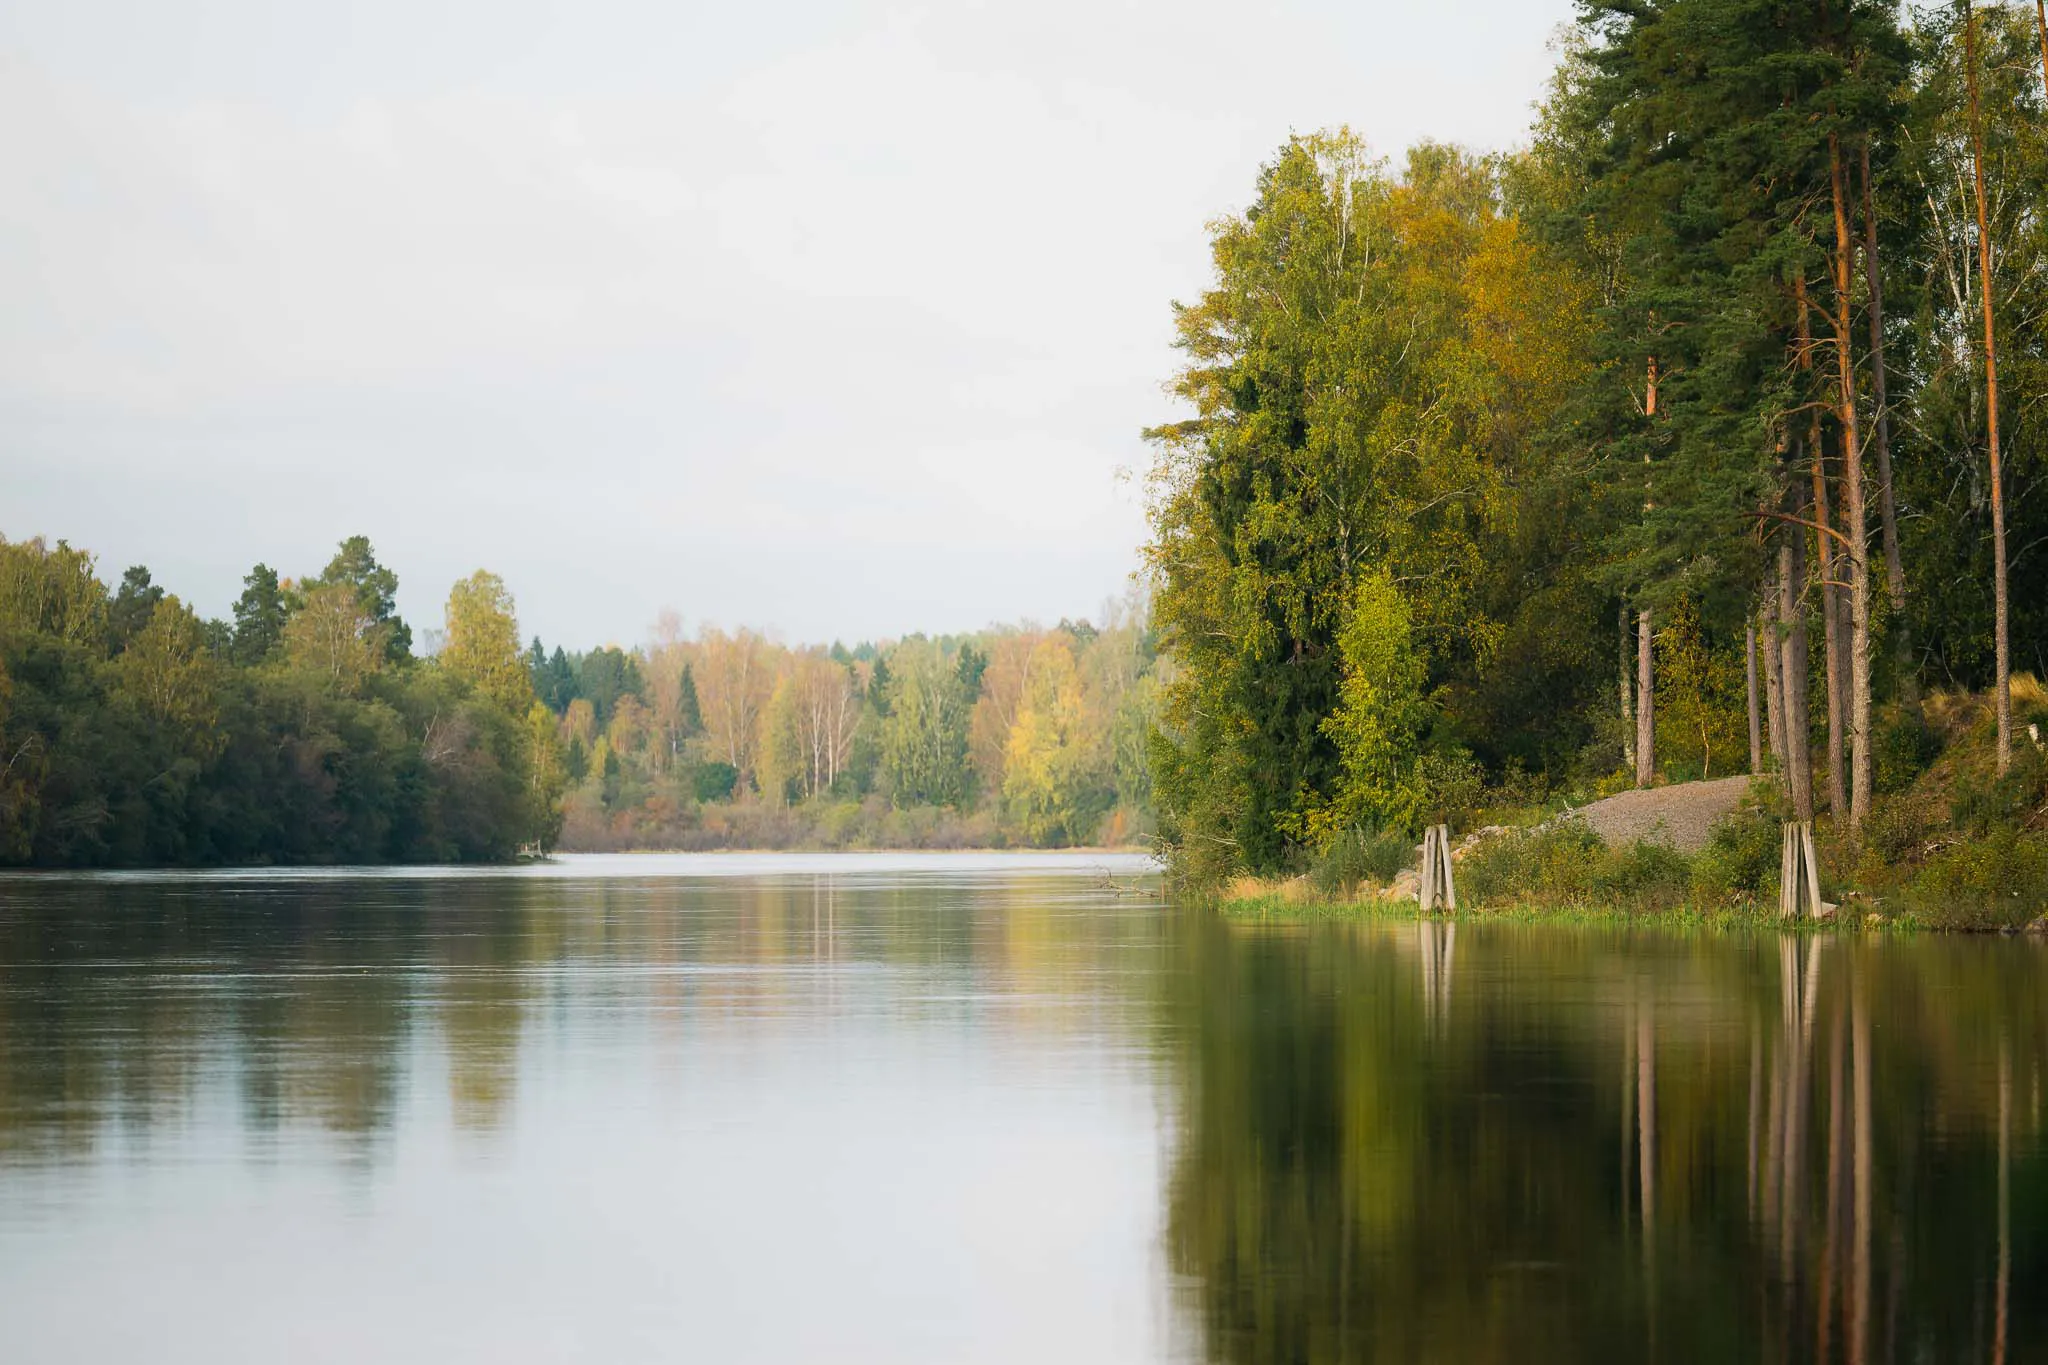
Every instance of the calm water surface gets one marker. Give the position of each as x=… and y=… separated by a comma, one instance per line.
x=989, y=1109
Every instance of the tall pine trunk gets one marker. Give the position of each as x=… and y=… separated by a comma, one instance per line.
x=2000, y=606
x=1855, y=510
x=1887, y=502
x=1774, y=689
x=1646, y=658
x=1798, y=757
x=1756, y=728
x=1646, y=702
x=1628, y=690
x=1824, y=572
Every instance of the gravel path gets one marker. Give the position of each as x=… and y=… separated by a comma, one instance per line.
x=1679, y=816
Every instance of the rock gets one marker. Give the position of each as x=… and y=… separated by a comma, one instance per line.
x=2039, y=926
x=1827, y=911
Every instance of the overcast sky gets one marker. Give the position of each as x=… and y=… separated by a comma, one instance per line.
x=839, y=318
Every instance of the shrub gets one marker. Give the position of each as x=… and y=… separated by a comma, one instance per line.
x=1994, y=882
x=1566, y=864
x=1454, y=786
x=1905, y=746
x=1895, y=830
x=1356, y=857
x=1984, y=801
x=1741, y=857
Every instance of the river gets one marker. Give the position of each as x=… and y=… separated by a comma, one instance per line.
x=989, y=1108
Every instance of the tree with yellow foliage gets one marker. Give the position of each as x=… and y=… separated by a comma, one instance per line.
x=483, y=642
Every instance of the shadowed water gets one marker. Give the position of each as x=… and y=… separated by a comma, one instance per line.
x=988, y=1108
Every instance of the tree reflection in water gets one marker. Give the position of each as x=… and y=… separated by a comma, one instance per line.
x=1602, y=1146
x=1414, y=1142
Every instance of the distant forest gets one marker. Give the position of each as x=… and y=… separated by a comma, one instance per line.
x=1013, y=736
x=309, y=729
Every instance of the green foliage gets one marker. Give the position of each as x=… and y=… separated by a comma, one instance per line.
x=1564, y=864
x=1355, y=858
x=1998, y=881
x=483, y=642
x=1983, y=800
x=714, y=781
x=134, y=739
x=1904, y=746
x=375, y=588
x=1896, y=829
x=1740, y=861
x=132, y=607
x=52, y=591
x=924, y=733
x=1701, y=720
x=689, y=711
x=261, y=613
x=605, y=677
x=1379, y=709
x=1370, y=377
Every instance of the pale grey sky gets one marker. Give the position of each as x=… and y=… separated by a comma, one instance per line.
x=839, y=318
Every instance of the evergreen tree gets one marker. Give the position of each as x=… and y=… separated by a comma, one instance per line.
x=355, y=566
x=132, y=607
x=260, y=615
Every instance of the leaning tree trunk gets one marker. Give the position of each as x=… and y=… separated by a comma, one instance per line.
x=2000, y=606
x=1881, y=434
x=1860, y=785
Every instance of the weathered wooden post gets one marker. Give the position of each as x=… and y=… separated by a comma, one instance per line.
x=1450, y=882
x=1438, y=884
x=1426, y=891
x=1798, y=872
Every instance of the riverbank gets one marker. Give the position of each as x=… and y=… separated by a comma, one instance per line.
x=1950, y=844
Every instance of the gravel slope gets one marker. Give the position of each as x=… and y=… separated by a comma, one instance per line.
x=1679, y=816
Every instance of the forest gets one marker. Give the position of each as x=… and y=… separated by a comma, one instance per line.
x=1702, y=435
x=311, y=728
x=1016, y=736
x=306, y=729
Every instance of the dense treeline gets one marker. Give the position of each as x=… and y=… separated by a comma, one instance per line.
x=304, y=730
x=1013, y=736
x=1516, y=470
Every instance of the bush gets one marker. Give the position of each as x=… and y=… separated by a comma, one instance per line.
x=1990, y=883
x=1984, y=801
x=1741, y=857
x=1566, y=864
x=1356, y=857
x=1905, y=746
x=1895, y=830
x=1454, y=785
